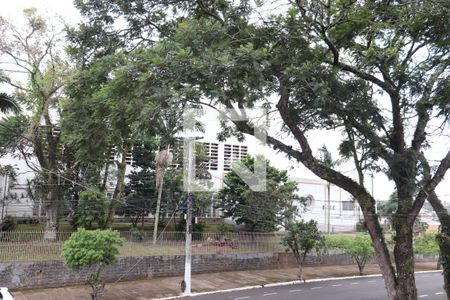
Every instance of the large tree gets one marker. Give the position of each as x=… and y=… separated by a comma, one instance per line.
x=259, y=210
x=375, y=70
x=34, y=50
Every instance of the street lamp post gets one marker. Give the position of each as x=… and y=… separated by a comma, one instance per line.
x=190, y=172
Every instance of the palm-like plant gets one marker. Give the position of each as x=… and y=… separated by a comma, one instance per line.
x=163, y=160
x=8, y=104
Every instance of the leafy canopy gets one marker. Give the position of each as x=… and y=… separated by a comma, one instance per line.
x=87, y=248
x=265, y=210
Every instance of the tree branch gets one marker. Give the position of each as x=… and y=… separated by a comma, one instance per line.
x=428, y=188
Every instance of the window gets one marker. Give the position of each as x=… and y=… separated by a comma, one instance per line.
x=113, y=155
x=347, y=205
x=212, y=151
x=233, y=153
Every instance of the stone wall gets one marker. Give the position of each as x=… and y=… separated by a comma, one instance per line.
x=25, y=275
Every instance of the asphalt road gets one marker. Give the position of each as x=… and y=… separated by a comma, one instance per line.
x=429, y=286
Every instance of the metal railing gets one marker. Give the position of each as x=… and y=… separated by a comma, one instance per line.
x=31, y=246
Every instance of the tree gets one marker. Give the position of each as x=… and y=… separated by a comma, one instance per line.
x=359, y=247
x=162, y=161
x=389, y=208
x=92, y=249
x=141, y=191
x=92, y=207
x=443, y=238
x=34, y=51
x=302, y=238
x=262, y=211
x=333, y=65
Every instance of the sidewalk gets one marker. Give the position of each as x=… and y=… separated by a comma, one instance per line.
x=170, y=286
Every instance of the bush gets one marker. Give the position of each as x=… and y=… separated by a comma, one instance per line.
x=225, y=227
x=92, y=208
x=8, y=223
x=426, y=244
x=28, y=220
x=359, y=247
x=196, y=227
x=361, y=226
x=137, y=234
x=95, y=250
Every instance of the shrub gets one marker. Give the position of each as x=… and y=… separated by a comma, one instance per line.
x=92, y=208
x=137, y=234
x=92, y=250
x=359, y=247
x=8, y=223
x=426, y=244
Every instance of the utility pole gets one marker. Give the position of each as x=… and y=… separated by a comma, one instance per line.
x=190, y=148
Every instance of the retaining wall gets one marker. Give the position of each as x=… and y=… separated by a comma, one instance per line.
x=43, y=274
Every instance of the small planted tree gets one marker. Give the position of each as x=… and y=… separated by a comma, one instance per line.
x=92, y=250
x=359, y=247
x=92, y=208
x=302, y=238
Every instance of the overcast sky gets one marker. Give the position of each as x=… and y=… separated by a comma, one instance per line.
x=66, y=10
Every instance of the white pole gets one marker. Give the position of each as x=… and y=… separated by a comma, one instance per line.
x=188, y=251
x=5, y=191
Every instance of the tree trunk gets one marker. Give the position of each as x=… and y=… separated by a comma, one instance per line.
x=105, y=177
x=361, y=270
x=52, y=208
x=300, y=272
x=443, y=238
x=404, y=259
x=158, y=207
x=118, y=191
x=381, y=251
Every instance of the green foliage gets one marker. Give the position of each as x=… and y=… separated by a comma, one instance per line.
x=262, y=211
x=86, y=248
x=12, y=129
x=222, y=227
x=359, y=247
x=92, y=208
x=327, y=62
x=426, y=244
x=93, y=249
x=8, y=223
x=137, y=234
x=302, y=238
x=361, y=226
x=196, y=227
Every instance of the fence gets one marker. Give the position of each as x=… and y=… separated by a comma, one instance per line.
x=31, y=246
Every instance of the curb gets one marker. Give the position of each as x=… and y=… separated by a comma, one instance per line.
x=280, y=284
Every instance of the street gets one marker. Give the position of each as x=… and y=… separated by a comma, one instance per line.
x=429, y=287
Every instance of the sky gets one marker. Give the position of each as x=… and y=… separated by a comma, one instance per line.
x=382, y=186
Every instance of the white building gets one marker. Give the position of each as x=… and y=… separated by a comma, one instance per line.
x=340, y=213
x=337, y=213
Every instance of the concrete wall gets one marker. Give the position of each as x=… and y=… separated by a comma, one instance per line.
x=25, y=275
